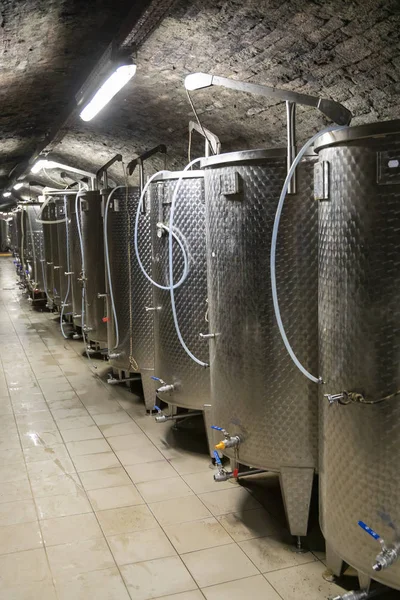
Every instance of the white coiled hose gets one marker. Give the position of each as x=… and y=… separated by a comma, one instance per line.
x=273, y=251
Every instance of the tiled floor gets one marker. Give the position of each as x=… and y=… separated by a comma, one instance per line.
x=95, y=500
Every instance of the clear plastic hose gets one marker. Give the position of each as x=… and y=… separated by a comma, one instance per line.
x=68, y=269
x=273, y=251
x=185, y=257
x=171, y=266
x=110, y=285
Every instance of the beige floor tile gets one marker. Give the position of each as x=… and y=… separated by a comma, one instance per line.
x=13, y=473
x=93, y=480
x=96, y=462
x=139, y=546
x=50, y=468
x=44, y=590
x=22, y=407
x=43, y=452
x=204, y=482
x=155, y=578
x=126, y=520
x=43, y=438
x=194, y=595
x=65, y=530
x=115, y=497
x=112, y=418
x=84, y=433
x=24, y=568
x=187, y=463
x=21, y=511
x=119, y=429
x=66, y=403
x=95, y=585
x=302, y=582
x=85, y=447
x=141, y=455
x=11, y=456
x=164, y=489
x=15, y=490
x=249, y=524
x=253, y=587
x=29, y=428
x=197, y=535
x=23, y=536
x=219, y=565
x=66, y=483
x=74, y=423
x=179, y=511
x=40, y=416
x=9, y=440
x=272, y=553
x=51, y=507
x=79, y=557
x=129, y=442
x=68, y=413
x=159, y=469
x=228, y=501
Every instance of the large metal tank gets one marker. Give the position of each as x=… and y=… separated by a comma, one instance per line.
x=358, y=184
x=95, y=319
x=34, y=248
x=61, y=268
x=3, y=235
x=56, y=204
x=75, y=262
x=257, y=392
x=132, y=292
x=191, y=382
x=48, y=214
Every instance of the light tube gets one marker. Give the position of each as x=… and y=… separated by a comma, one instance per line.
x=107, y=91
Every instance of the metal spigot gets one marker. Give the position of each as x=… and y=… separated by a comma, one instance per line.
x=388, y=555
x=102, y=296
x=114, y=355
x=221, y=474
x=335, y=398
x=86, y=328
x=229, y=441
x=355, y=595
x=207, y=336
x=165, y=387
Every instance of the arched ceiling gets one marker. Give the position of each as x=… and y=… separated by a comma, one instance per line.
x=347, y=51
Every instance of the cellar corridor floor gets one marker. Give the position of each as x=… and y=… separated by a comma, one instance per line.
x=97, y=501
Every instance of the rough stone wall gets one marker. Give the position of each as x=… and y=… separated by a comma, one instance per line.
x=347, y=51
x=341, y=49
x=46, y=48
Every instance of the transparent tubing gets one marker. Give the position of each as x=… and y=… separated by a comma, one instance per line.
x=68, y=269
x=171, y=267
x=110, y=286
x=185, y=258
x=273, y=252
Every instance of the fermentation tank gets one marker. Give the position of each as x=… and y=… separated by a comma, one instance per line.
x=56, y=204
x=34, y=249
x=131, y=291
x=95, y=316
x=358, y=187
x=257, y=392
x=75, y=260
x=190, y=381
x=62, y=266
x=48, y=214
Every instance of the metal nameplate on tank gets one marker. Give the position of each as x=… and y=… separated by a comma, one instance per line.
x=388, y=167
x=230, y=185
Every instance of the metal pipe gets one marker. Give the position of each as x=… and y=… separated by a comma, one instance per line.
x=161, y=418
x=210, y=138
x=291, y=142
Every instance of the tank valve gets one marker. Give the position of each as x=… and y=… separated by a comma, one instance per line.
x=114, y=355
x=165, y=387
x=336, y=398
x=357, y=595
x=229, y=441
x=388, y=554
x=102, y=296
x=221, y=474
x=86, y=329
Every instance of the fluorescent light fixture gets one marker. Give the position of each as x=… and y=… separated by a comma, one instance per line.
x=196, y=81
x=6, y=194
x=43, y=163
x=18, y=185
x=112, y=86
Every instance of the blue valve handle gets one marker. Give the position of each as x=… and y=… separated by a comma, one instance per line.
x=217, y=428
x=155, y=378
x=157, y=408
x=217, y=458
x=370, y=531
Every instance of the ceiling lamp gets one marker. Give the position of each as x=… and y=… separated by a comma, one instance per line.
x=108, y=90
x=6, y=194
x=18, y=185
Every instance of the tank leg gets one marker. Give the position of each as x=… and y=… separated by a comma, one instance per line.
x=364, y=580
x=211, y=437
x=149, y=390
x=296, y=486
x=334, y=563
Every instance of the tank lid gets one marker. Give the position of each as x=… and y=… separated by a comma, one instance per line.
x=177, y=174
x=242, y=156
x=359, y=132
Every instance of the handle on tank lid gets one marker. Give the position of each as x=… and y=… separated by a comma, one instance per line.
x=102, y=172
x=335, y=111
x=160, y=149
x=211, y=140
